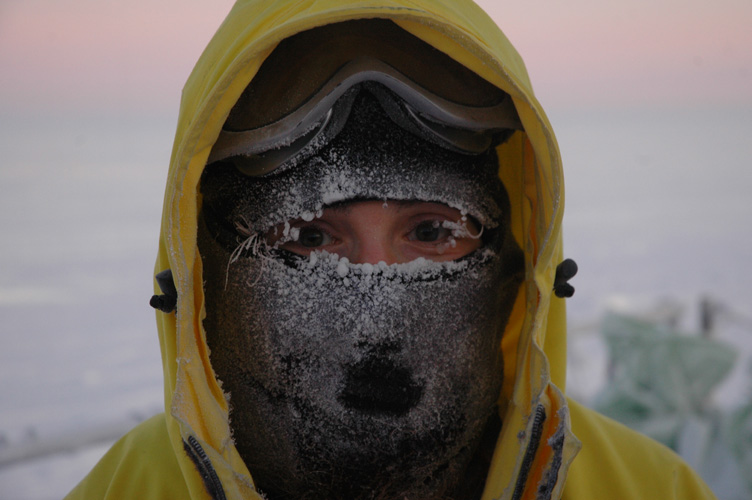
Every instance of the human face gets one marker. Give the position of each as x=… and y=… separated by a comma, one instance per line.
x=380, y=372
x=359, y=343
x=393, y=232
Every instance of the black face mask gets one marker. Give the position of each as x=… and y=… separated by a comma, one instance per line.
x=356, y=380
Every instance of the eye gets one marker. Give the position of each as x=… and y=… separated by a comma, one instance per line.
x=312, y=237
x=428, y=231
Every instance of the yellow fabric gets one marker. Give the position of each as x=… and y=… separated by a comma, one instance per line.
x=534, y=345
x=620, y=464
x=129, y=468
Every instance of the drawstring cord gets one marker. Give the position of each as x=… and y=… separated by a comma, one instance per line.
x=167, y=302
x=564, y=272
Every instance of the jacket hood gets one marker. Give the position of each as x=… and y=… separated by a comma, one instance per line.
x=535, y=446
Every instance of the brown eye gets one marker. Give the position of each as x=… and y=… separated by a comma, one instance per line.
x=428, y=231
x=312, y=237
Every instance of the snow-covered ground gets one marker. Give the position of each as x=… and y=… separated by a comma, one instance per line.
x=658, y=208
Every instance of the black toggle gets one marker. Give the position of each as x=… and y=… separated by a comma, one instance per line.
x=167, y=302
x=564, y=272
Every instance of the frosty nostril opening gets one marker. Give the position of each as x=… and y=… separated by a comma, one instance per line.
x=377, y=385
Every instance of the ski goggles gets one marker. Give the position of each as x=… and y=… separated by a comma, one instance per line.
x=302, y=93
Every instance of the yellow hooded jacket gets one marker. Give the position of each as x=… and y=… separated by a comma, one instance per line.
x=187, y=452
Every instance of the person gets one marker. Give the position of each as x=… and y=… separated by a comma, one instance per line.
x=360, y=279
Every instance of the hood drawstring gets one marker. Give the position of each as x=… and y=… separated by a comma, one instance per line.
x=167, y=302
x=564, y=272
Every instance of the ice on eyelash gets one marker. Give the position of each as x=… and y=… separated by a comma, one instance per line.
x=254, y=241
x=257, y=246
x=289, y=233
x=459, y=229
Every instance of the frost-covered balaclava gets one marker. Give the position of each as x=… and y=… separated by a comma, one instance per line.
x=350, y=381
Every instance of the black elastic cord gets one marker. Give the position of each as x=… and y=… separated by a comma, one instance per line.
x=167, y=302
x=564, y=272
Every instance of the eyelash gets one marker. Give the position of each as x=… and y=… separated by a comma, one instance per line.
x=436, y=222
x=446, y=232
x=316, y=227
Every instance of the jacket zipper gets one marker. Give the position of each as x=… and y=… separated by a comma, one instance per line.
x=527, y=461
x=205, y=469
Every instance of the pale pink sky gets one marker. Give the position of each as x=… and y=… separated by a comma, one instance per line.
x=61, y=55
